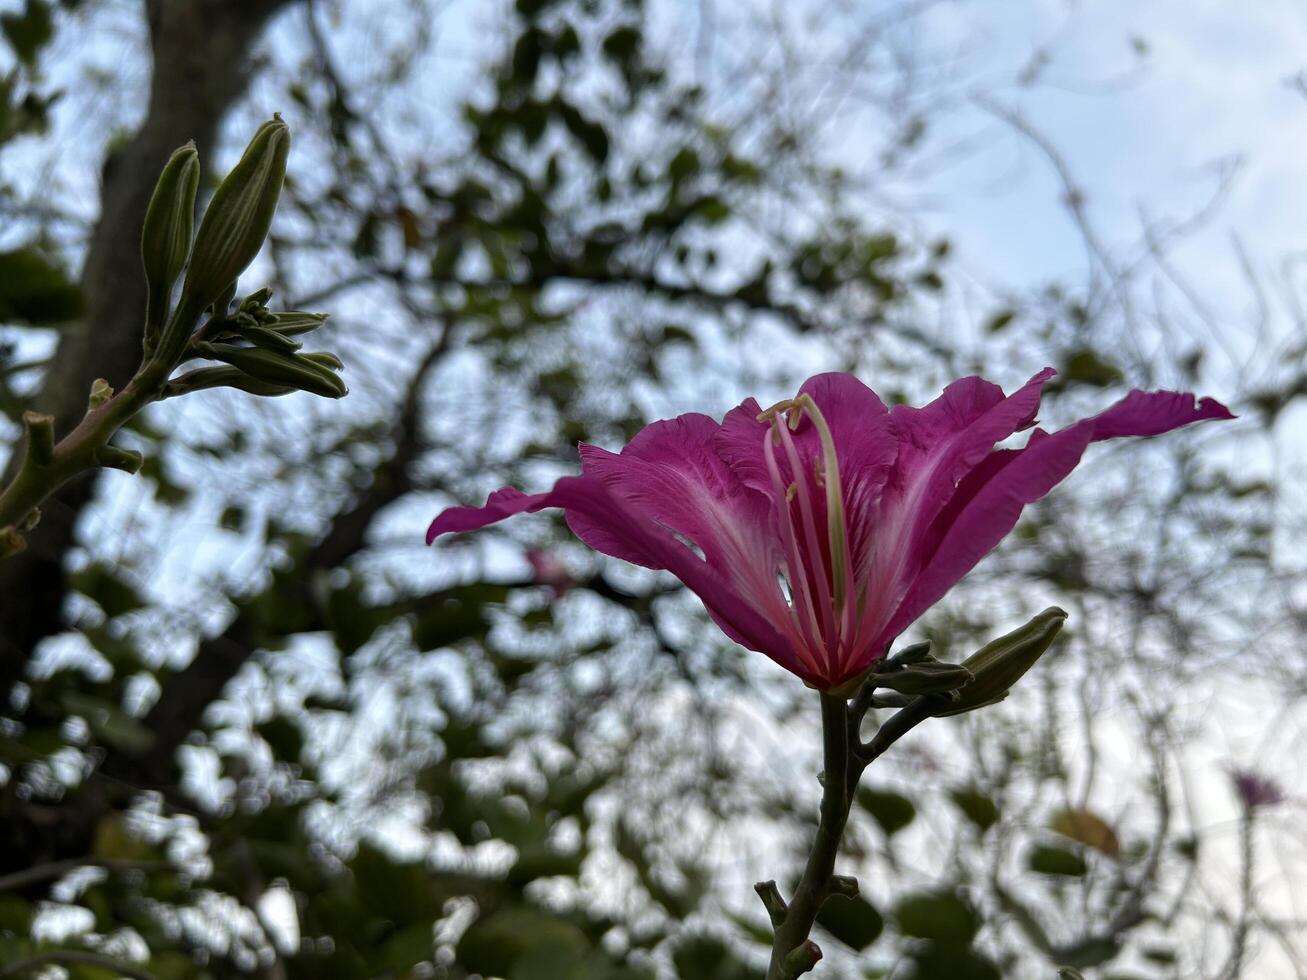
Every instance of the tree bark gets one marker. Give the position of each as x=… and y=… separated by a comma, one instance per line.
x=200, y=68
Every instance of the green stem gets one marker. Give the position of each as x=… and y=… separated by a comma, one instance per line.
x=845, y=759
x=840, y=773
x=43, y=471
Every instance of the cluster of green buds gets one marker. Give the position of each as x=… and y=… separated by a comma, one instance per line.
x=255, y=345
x=259, y=353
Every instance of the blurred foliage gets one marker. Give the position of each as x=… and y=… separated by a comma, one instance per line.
x=329, y=752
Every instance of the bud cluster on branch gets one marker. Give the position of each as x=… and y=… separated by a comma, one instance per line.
x=255, y=346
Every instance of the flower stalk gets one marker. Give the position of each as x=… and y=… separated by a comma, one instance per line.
x=997, y=665
x=845, y=758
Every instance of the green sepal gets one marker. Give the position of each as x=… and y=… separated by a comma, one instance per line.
x=926, y=677
x=911, y=654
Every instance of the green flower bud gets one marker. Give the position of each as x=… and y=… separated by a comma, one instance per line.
x=289, y=370
x=237, y=220
x=261, y=336
x=221, y=377
x=256, y=300
x=166, y=235
x=1000, y=663
x=293, y=322
x=326, y=359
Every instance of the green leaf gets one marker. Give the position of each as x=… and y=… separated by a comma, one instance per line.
x=853, y=921
x=526, y=56
x=456, y=616
x=111, y=593
x=953, y=963
x=400, y=891
x=283, y=737
x=36, y=291
x=1086, y=367
x=1000, y=321
x=543, y=861
x=496, y=944
x=756, y=929
x=622, y=44
x=1049, y=859
x=233, y=518
x=1165, y=955
x=406, y=949
x=892, y=811
x=684, y=164
x=713, y=210
x=109, y=723
x=976, y=807
x=591, y=135
x=705, y=957
x=28, y=32
x=940, y=916
x=15, y=914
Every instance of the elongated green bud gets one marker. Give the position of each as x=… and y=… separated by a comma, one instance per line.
x=237, y=220
x=166, y=235
x=289, y=370
x=270, y=339
x=326, y=359
x=221, y=377
x=1001, y=663
x=295, y=322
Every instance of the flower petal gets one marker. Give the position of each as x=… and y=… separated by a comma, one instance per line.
x=671, y=472
x=608, y=524
x=738, y=443
x=989, y=504
x=672, y=475
x=938, y=445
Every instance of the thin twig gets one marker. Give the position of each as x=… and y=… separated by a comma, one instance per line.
x=74, y=956
x=57, y=869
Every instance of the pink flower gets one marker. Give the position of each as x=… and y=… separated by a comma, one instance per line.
x=818, y=530
x=1255, y=790
x=546, y=569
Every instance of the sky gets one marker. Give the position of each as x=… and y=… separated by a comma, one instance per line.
x=1144, y=129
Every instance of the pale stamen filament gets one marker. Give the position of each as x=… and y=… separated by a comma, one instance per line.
x=801, y=601
x=815, y=570
x=811, y=581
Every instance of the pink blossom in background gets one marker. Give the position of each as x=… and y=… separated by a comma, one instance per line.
x=546, y=569
x=818, y=530
x=1254, y=790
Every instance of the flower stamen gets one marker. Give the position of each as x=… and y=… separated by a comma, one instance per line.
x=829, y=480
